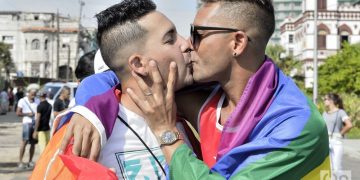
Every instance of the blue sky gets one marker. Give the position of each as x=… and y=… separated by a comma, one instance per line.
x=181, y=12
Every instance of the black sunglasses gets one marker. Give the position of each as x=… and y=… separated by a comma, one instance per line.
x=196, y=37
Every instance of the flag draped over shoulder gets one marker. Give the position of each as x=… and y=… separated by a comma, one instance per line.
x=274, y=132
x=52, y=165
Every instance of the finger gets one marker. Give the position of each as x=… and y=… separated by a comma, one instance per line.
x=67, y=137
x=170, y=86
x=95, y=148
x=158, y=83
x=77, y=141
x=86, y=141
x=142, y=104
x=142, y=85
x=113, y=170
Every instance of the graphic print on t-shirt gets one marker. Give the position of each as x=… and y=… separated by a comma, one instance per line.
x=133, y=168
x=127, y=154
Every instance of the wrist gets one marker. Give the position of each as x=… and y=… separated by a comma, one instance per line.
x=160, y=130
x=169, y=137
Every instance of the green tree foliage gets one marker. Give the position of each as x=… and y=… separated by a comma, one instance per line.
x=5, y=58
x=341, y=73
x=288, y=64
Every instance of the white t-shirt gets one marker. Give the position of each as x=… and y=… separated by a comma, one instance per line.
x=25, y=105
x=127, y=154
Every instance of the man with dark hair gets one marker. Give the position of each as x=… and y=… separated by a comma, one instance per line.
x=62, y=102
x=255, y=124
x=85, y=66
x=132, y=149
x=42, y=127
x=84, y=69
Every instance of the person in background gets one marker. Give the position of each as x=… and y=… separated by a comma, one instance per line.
x=338, y=124
x=62, y=102
x=26, y=109
x=18, y=95
x=42, y=127
x=4, y=102
x=11, y=98
x=84, y=68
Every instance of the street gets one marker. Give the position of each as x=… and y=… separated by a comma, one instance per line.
x=10, y=138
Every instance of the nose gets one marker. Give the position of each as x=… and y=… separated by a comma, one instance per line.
x=185, y=45
x=191, y=44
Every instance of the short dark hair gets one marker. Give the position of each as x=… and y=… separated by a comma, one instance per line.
x=118, y=27
x=85, y=65
x=253, y=12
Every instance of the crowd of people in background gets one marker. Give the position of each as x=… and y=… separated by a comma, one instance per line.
x=35, y=110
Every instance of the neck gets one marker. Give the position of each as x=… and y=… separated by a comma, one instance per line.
x=30, y=99
x=241, y=72
x=333, y=108
x=126, y=100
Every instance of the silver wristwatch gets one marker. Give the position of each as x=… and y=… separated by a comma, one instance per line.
x=169, y=137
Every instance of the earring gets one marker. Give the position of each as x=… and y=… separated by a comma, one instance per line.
x=235, y=54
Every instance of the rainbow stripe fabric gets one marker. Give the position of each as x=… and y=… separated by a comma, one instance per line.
x=286, y=138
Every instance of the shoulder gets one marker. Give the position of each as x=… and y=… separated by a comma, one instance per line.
x=21, y=101
x=342, y=112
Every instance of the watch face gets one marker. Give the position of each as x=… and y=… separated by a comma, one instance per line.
x=168, y=137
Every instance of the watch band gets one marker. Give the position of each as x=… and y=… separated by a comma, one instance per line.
x=169, y=137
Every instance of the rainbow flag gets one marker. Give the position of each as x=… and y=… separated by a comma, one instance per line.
x=275, y=132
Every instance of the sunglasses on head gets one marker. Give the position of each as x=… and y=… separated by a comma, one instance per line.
x=195, y=37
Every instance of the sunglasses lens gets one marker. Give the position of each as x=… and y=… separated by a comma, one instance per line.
x=194, y=37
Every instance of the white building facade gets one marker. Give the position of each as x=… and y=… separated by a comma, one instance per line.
x=336, y=23
x=32, y=37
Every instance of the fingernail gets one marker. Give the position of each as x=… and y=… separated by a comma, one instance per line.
x=172, y=64
x=152, y=63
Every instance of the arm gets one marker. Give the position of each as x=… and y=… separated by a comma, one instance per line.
x=37, y=123
x=346, y=122
x=347, y=126
x=88, y=124
x=21, y=114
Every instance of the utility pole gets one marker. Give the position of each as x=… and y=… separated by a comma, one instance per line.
x=82, y=3
x=315, y=66
x=57, y=45
x=68, y=62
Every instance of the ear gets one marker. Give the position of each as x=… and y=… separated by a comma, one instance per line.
x=137, y=64
x=240, y=42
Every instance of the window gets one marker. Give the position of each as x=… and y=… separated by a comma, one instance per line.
x=321, y=4
x=35, y=44
x=343, y=39
x=35, y=69
x=46, y=44
x=7, y=38
x=291, y=38
x=36, y=17
x=291, y=52
x=321, y=39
